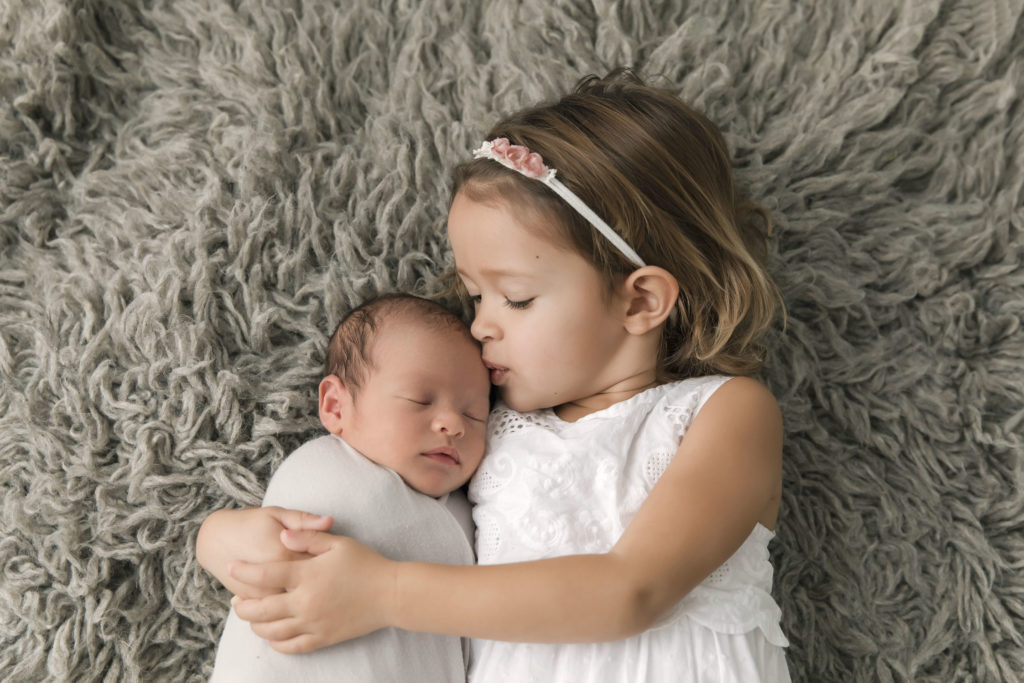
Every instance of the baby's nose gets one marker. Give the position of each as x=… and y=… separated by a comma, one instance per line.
x=449, y=424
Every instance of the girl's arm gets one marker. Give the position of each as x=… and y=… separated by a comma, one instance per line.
x=725, y=477
x=250, y=535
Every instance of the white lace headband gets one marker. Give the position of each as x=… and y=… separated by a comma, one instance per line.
x=531, y=165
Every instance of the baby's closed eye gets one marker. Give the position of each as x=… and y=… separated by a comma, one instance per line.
x=426, y=401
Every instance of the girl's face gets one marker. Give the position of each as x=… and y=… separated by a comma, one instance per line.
x=550, y=335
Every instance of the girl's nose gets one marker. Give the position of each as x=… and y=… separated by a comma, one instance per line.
x=483, y=328
x=450, y=424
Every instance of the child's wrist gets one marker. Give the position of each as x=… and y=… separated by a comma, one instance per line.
x=392, y=593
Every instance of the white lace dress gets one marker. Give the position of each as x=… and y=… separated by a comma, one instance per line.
x=549, y=488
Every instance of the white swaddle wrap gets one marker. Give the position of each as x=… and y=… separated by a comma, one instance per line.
x=373, y=505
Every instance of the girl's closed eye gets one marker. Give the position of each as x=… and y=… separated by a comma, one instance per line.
x=514, y=304
x=519, y=305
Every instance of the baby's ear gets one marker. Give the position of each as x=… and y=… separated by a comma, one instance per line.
x=335, y=402
x=651, y=294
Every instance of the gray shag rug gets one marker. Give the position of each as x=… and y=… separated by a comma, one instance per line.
x=193, y=191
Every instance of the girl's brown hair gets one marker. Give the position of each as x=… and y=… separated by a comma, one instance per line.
x=660, y=174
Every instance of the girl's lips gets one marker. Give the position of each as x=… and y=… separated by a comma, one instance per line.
x=497, y=372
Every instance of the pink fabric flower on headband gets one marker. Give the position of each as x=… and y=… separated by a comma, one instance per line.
x=531, y=165
x=520, y=158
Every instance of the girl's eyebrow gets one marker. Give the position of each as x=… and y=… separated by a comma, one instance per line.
x=498, y=272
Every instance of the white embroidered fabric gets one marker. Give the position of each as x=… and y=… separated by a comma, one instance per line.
x=549, y=488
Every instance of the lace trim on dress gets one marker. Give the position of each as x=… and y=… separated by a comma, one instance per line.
x=682, y=415
x=487, y=483
x=655, y=466
x=488, y=540
x=719, y=576
x=506, y=421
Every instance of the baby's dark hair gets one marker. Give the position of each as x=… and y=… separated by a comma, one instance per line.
x=350, y=350
x=660, y=174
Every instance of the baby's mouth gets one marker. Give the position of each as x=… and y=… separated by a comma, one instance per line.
x=445, y=455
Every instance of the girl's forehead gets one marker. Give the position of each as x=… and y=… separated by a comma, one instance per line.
x=525, y=215
x=496, y=241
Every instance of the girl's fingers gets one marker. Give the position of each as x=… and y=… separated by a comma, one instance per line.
x=312, y=542
x=281, y=631
x=269, y=609
x=271, y=576
x=297, y=519
x=252, y=592
x=308, y=520
x=297, y=645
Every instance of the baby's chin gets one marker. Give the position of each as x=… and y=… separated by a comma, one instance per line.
x=435, y=492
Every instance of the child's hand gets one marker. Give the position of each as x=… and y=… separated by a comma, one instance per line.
x=342, y=593
x=250, y=535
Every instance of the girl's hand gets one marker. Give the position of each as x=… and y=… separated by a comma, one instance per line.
x=343, y=592
x=250, y=535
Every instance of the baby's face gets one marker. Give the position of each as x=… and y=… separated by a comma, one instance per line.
x=422, y=410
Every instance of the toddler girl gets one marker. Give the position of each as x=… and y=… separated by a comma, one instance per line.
x=633, y=473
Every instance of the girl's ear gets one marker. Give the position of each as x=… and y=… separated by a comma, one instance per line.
x=651, y=294
x=335, y=403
